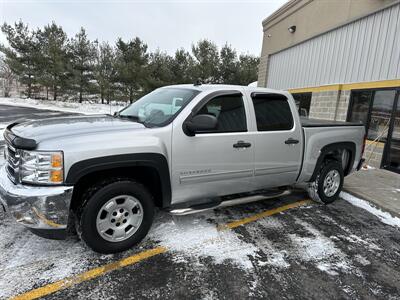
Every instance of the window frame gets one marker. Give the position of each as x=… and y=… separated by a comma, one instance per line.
x=259, y=95
x=387, y=146
x=370, y=106
x=211, y=97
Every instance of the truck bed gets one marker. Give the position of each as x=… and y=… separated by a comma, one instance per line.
x=319, y=133
x=326, y=123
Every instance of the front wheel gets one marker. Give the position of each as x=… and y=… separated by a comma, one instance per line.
x=328, y=184
x=116, y=216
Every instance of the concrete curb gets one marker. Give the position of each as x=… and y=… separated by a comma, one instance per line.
x=378, y=205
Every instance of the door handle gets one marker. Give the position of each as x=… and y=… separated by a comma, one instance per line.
x=291, y=141
x=241, y=144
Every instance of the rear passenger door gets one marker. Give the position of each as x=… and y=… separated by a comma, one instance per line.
x=278, y=141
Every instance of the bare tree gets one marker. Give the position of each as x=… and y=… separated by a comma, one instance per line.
x=6, y=77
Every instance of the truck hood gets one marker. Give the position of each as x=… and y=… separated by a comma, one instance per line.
x=41, y=130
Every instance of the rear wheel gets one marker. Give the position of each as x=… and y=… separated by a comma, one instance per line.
x=328, y=184
x=115, y=216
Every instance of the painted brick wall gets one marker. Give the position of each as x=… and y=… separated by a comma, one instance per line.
x=342, y=106
x=323, y=105
x=331, y=105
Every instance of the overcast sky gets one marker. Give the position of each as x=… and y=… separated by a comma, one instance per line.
x=167, y=25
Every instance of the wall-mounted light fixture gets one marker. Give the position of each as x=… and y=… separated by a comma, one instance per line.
x=292, y=29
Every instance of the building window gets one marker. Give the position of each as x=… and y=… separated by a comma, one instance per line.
x=379, y=111
x=303, y=102
x=373, y=108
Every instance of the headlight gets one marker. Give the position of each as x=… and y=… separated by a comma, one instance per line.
x=42, y=167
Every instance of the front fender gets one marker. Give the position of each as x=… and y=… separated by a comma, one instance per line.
x=153, y=160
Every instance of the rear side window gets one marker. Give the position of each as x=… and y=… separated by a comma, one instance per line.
x=272, y=112
x=230, y=112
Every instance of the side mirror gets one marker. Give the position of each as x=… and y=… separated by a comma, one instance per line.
x=200, y=123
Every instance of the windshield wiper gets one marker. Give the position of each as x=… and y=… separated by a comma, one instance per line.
x=136, y=119
x=131, y=118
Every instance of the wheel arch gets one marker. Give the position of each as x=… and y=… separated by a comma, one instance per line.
x=150, y=169
x=333, y=151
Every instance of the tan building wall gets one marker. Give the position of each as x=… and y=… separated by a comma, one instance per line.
x=311, y=17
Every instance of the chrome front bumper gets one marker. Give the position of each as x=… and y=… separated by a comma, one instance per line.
x=44, y=210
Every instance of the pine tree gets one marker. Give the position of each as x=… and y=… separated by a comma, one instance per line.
x=182, y=67
x=83, y=58
x=132, y=61
x=54, y=57
x=159, y=71
x=248, y=66
x=22, y=54
x=105, y=71
x=207, y=61
x=228, y=65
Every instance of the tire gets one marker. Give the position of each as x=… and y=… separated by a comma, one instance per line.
x=326, y=195
x=118, y=202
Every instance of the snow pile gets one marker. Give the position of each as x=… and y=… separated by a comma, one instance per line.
x=368, y=167
x=72, y=107
x=195, y=238
x=385, y=217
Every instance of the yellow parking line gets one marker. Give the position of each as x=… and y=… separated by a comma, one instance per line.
x=263, y=214
x=91, y=274
x=99, y=271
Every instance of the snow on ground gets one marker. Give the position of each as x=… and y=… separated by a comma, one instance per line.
x=192, y=240
x=72, y=107
x=385, y=217
x=193, y=237
x=368, y=167
x=321, y=250
x=37, y=260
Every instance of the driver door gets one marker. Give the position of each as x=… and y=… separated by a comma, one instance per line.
x=213, y=163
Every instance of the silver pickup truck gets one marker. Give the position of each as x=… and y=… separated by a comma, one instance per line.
x=198, y=147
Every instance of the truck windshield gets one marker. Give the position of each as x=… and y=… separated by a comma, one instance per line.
x=159, y=107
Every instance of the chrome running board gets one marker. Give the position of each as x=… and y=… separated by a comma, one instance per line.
x=227, y=203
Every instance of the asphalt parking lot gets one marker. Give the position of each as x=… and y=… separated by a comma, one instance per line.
x=280, y=248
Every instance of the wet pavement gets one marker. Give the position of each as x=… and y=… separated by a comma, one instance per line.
x=312, y=251
x=11, y=114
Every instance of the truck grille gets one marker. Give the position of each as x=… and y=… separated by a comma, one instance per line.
x=12, y=162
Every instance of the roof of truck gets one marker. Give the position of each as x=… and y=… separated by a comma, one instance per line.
x=208, y=87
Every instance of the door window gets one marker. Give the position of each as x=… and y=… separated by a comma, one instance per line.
x=229, y=111
x=272, y=112
x=380, y=114
x=373, y=109
x=361, y=101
